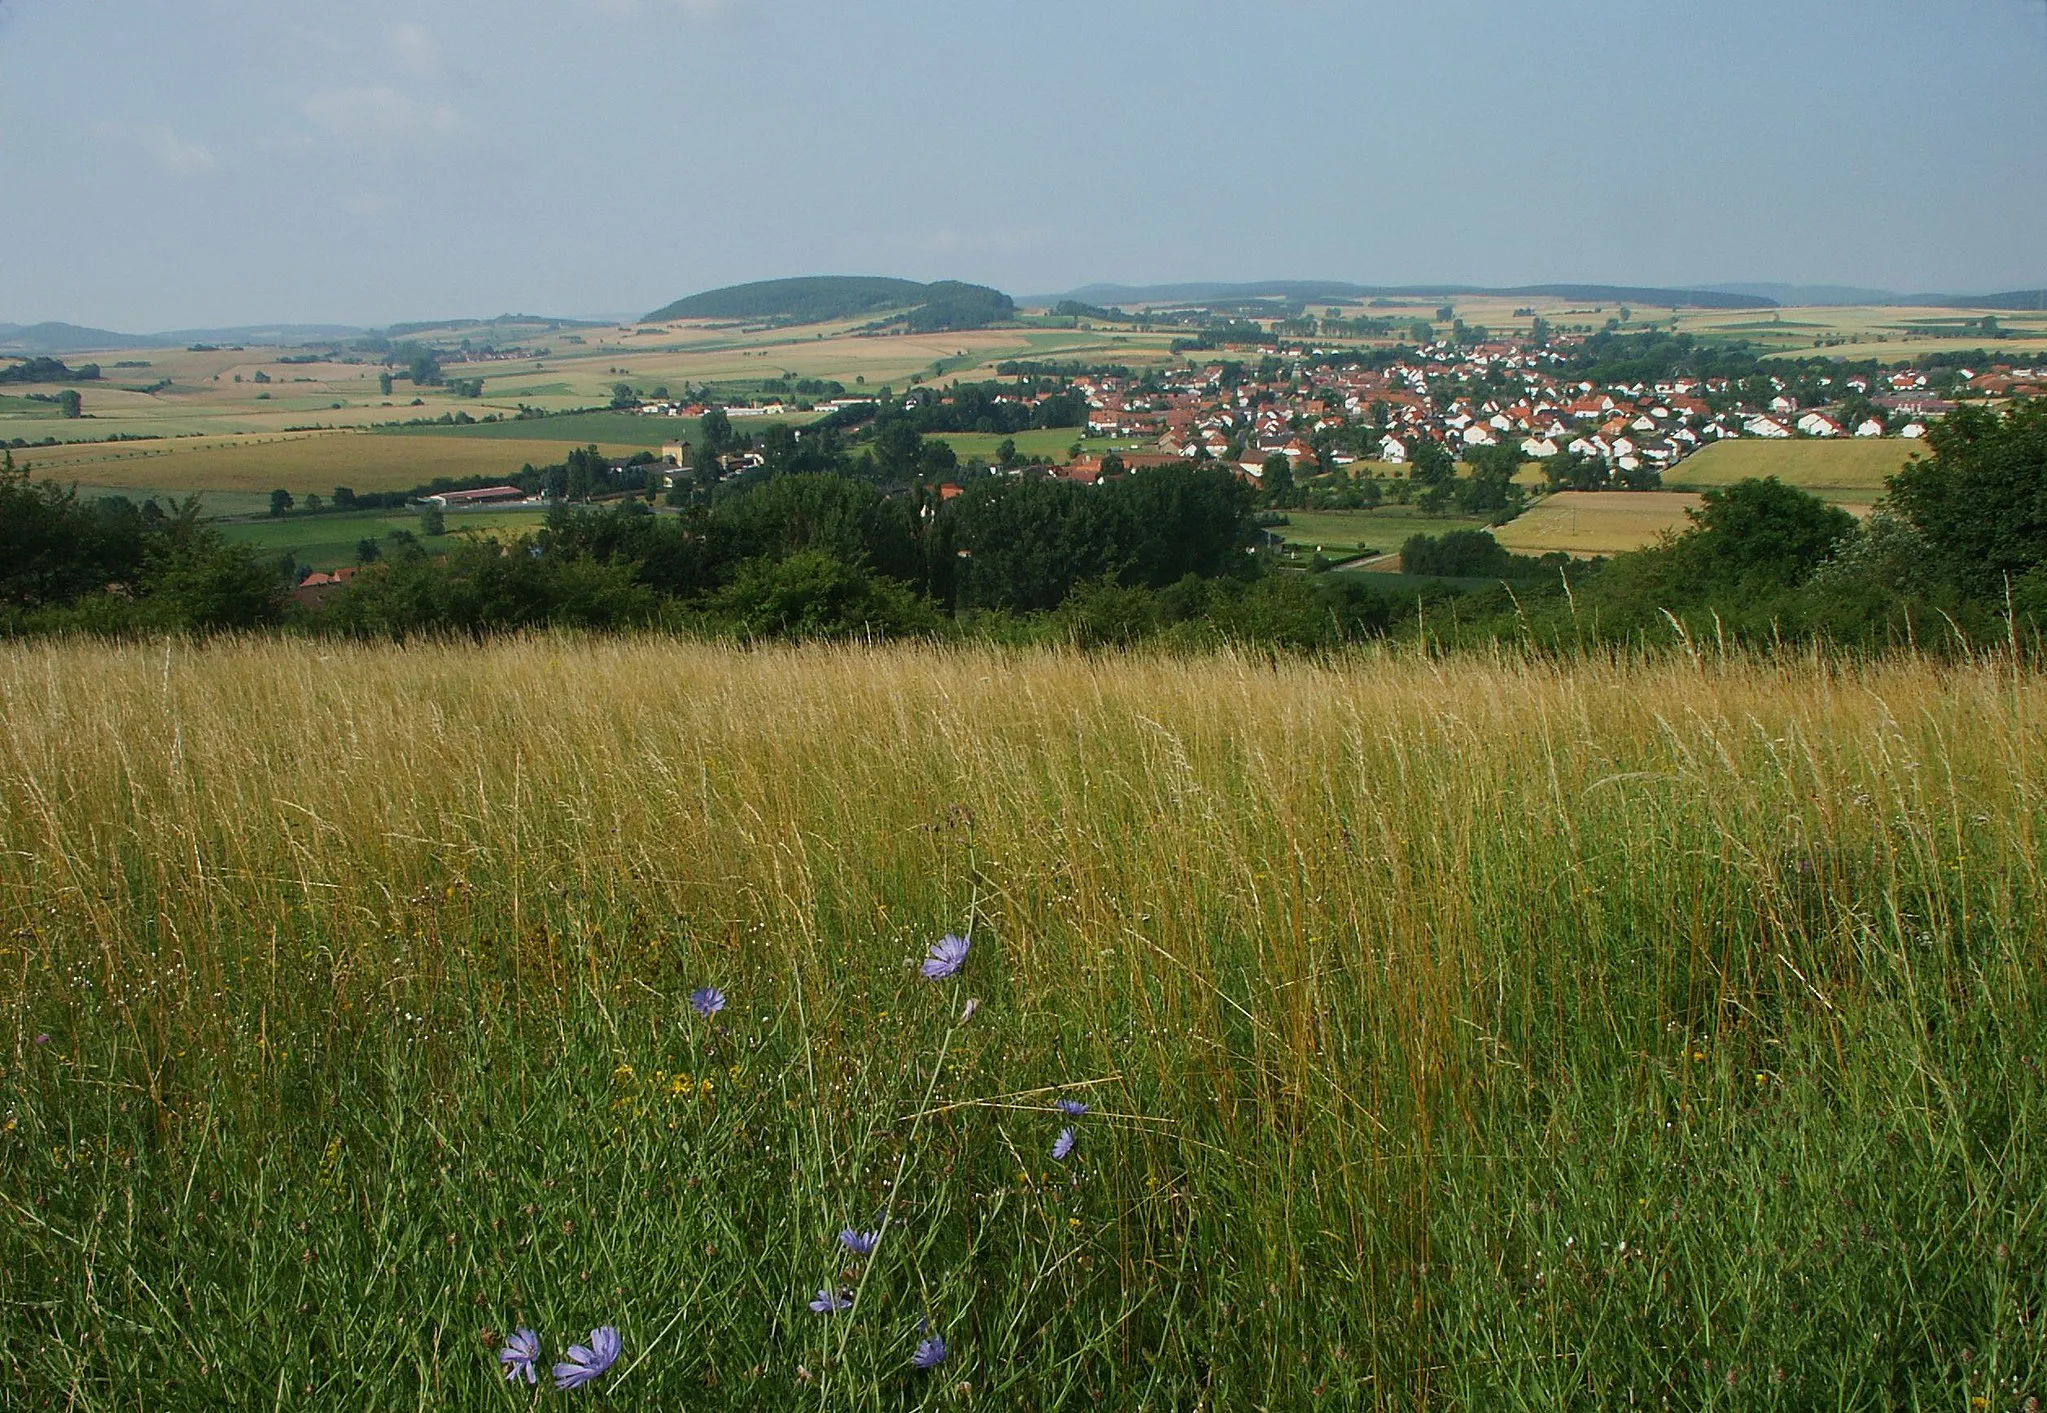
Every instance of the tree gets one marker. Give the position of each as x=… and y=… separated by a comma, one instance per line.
x=623, y=397
x=1430, y=463
x=70, y=403
x=714, y=430
x=1005, y=454
x=344, y=498
x=588, y=473
x=384, y=384
x=1490, y=489
x=367, y=552
x=280, y=501
x=432, y=521
x=1758, y=535
x=1278, y=479
x=1981, y=500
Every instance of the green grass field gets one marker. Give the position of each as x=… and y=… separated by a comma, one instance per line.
x=1050, y=443
x=1459, y=1033
x=328, y=541
x=1343, y=533
x=1849, y=472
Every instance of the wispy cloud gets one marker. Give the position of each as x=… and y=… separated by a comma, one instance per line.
x=176, y=155
x=379, y=114
x=417, y=49
x=701, y=11
x=947, y=241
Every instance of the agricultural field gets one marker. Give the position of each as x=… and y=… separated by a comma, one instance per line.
x=302, y=462
x=1051, y=443
x=1849, y=473
x=1465, y=1033
x=1345, y=534
x=1596, y=523
x=1892, y=334
x=327, y=542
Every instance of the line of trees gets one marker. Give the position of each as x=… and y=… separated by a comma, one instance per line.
x=1956, y=553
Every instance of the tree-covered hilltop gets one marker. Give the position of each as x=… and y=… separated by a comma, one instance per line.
x=819, y=299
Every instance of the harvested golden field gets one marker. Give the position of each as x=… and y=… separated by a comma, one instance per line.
x=1590, y=523
x=299, y=462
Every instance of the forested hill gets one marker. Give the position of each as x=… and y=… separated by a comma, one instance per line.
x=820, y=298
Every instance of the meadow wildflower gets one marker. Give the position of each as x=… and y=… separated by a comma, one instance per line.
x=930, y=1353
x=1062, y=1146
x=586, y=1363
x=707, y=1001
x=946, y=957
x=830, y=1302
x=520, y=1354
x=1072, y=1108
x=973, y=1005
x=860, y=1243
x=43, y=1039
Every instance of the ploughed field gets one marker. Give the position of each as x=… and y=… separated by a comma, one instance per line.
x=1462, y=1033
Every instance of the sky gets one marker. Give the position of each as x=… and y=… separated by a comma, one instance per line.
x=190, y=163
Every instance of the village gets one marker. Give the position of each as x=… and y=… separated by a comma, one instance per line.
x=1334, y=417
x=1324, y=413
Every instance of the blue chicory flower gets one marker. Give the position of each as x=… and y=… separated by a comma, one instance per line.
x=587, y=1363
x=707, y=1001
x=946, y=957
x=1072, y=1108
x=830, y=1302
x=860, y=1243
x=520, y=1354
x=930, y=1352
x=1062, y=1146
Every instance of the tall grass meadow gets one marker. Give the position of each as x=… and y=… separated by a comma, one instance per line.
x=1379, y=1032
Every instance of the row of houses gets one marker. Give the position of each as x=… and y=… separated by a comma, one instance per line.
x=1207, y=413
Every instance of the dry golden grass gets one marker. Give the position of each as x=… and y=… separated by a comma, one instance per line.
x=1410, y=996
x=1589, y=523
x=300, y=462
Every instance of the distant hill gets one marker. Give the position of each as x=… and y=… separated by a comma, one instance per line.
x=1808, y=296
x=503, y=324
x=1319, y=291
x=2015, y=301
x=819, y=299
x=65, y=338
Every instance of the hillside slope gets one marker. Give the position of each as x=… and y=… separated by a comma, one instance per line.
x=818, y=299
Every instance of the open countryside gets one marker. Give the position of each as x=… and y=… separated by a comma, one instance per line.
x=909, y=795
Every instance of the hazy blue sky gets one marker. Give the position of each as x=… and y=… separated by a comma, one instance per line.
x=171, y=163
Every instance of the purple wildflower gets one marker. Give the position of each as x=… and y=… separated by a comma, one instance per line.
x=586, y=1364
x=1072, y=1108
x=830, y=1302
x=707, y=1001
x=520, y=1354
x=1062, y=1146
x=43, y=1039
x=946, y=957
x=930, y=1352
x=860, y=1243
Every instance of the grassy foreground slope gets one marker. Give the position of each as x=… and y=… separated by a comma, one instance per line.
x=1465, y=1033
